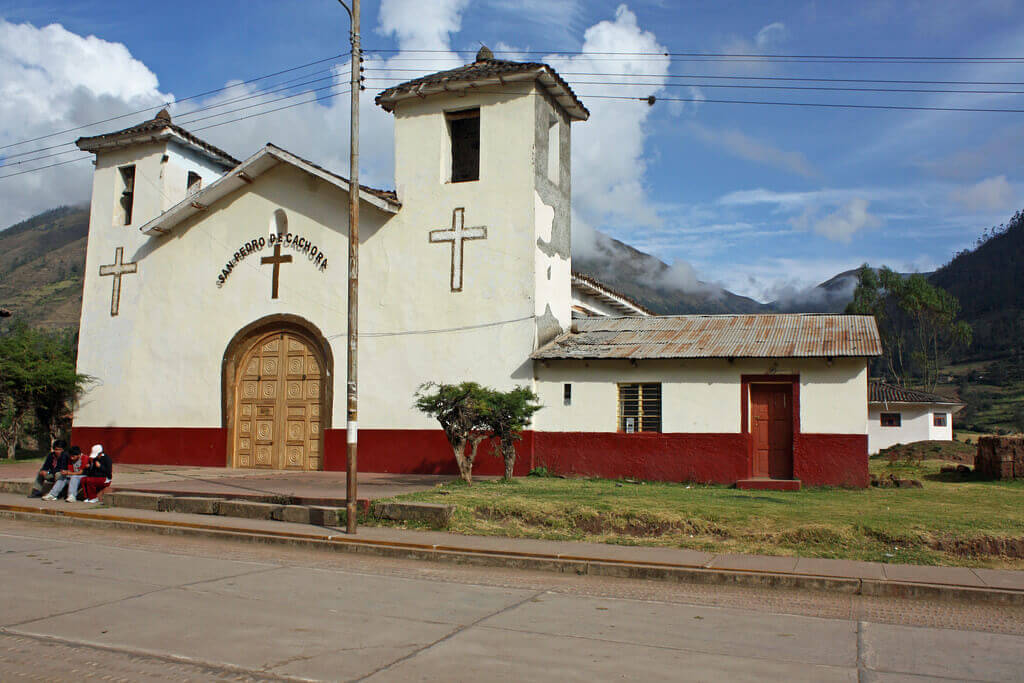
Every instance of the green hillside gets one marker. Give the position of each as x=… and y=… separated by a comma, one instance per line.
x=41, y=266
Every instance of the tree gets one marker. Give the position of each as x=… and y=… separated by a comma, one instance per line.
x=37, y=372
x=508, y=414
x=917, y=322
x=461, y=409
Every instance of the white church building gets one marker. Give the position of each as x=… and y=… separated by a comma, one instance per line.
x=214, y=311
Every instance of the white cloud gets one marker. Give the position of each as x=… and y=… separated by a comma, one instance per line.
x=771, y=35
x=741, y=145
x=841, y=224
x=421, y=25
x=52, y=79
x=608, y=150
x=990, y=194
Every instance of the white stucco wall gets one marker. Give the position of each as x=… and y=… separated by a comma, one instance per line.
x=701, y=395
x=180, y=161
x=917, y=424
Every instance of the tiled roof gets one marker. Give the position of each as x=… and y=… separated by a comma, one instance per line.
x=881, y=392
x=487, y=70
x=718, y=336
x=158, y=124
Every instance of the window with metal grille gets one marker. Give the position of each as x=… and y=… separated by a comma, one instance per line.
x=639, y=408
x=939, y=419
x=891, y=419
x=464, y=129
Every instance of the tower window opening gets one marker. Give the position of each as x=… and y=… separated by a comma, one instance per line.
x=464, y=131
x=127, y=199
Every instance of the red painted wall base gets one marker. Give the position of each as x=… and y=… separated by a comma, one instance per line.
x=194, y=446
x=818, y=459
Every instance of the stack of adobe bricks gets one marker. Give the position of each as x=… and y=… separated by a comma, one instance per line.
x=1000, y=457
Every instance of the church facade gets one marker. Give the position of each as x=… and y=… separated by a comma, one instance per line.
x=214, y=309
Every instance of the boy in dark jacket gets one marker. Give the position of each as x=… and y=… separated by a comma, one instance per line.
x=98, y=474
x=53, y=466
x=74, y=473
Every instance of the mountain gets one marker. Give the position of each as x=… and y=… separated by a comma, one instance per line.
x=831, y=296
x=650, y=281
x=990, y=287
x=41, y=264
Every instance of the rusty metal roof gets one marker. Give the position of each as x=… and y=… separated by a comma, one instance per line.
x=881, y=392
x=718, y=336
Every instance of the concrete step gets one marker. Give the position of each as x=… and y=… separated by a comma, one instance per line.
x=768, y=484
x=282, y=509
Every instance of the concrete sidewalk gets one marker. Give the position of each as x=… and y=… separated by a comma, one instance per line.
x=869, y=578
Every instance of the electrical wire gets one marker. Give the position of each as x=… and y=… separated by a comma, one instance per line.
x=183, y=99
x=717, y=55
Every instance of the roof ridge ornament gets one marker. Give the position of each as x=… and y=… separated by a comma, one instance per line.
x=163, y=115
x=484, y=54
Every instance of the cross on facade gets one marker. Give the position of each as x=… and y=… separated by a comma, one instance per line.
x=117, y=269
x=277, y=260
x=457, y=235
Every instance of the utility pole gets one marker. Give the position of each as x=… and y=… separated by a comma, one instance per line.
x=352, y=378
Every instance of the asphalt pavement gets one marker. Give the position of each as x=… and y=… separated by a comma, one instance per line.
x=91, y=603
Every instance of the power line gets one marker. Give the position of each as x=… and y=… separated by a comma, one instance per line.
x=183, y=99
x=260, y=93
x=753, y=78
x=738, y=55
x=214, y=125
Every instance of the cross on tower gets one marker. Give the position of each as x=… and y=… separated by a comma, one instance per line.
x=117, y=269
x=457, y=235
x=277, y=260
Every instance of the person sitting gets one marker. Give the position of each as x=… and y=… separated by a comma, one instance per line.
x=74, y=473
x=98, y=474
x=55, y=463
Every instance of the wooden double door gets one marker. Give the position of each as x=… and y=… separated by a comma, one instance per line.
x=278, y=404
x=771, y=423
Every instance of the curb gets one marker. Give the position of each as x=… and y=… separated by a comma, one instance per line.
x=566, y=564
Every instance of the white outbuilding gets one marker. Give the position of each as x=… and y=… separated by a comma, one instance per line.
x=900, y=415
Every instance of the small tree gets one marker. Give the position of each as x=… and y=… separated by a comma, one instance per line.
x=508, y=414
x=37, y=371
x=461, y=410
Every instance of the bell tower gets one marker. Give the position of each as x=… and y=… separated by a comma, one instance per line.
x=482, y=154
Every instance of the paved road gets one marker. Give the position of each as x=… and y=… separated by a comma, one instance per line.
x=84, y=603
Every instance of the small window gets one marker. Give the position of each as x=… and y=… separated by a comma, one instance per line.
x=127, y=199
x=939, y=419
x=639, y=408
x=195, y=182
x=891, y=419
x=464, y=130
x=567, y=394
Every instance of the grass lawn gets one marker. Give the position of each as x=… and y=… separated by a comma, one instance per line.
x=951, y=521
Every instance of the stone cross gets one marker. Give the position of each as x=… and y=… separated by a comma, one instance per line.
x=117, y=269
x=457, y=235
x=277, y=260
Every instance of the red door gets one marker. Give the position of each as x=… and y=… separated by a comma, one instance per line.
x=771, y=426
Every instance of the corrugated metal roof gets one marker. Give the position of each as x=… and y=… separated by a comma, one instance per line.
x=881, y=392
x=718, y=336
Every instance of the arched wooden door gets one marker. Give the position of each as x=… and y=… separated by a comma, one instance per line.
x=278, y=404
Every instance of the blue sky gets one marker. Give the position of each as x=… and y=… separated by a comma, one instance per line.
x=761, y=199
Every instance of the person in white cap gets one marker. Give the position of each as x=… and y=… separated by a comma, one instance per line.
x=98, y=474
